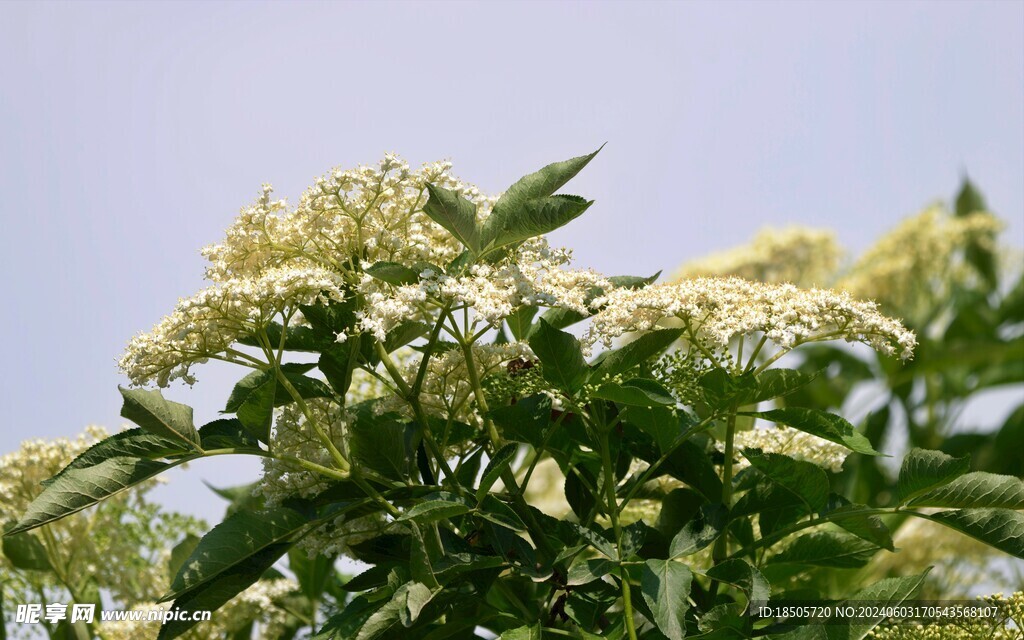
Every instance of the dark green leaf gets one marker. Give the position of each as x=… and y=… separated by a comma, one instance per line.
x=159, y=416
x=698, y=533
x=923, y=470
x=132, y=443
x=530, y=219
x=561, y=357
x=827, y=549
x=433, y=510
x=454, y=213
x=531, y=632
x=519, y=321
x=495, y=467
x=665, y=586
x=381, y=445
x=744, y=576
x=393, y=273
x=822, y=424
x=1000, y=528
x=636, y=352
x=81, y=488
x=975, y=490
x=24, y=551
x=639, y=392
x=805, y=480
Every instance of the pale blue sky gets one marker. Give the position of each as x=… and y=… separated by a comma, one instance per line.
x=131, y=133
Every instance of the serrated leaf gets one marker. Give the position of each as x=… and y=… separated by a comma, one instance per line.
x=454, y=213
x=434, y=510
x=586, y=571
x=865, y=526
x=923, y=469
x=81, y=488
x=806, y=480
x=495, y=467
x=822, y=424
x=561, y=357
x=744, y=576
x=531, y=632
x=233, y=542
x=226, y=585
x=132, y=443
x=639, y=392
x=499, y=513
x=975, y=490
x=665, y=587
x=530, y=219
x=636, y=352
x=827, y=549
x=701, y=531
x=519, y=321
x=999, y=528
x=25, y=552
x=151, y=411
x=393, y=273
x=380, y=444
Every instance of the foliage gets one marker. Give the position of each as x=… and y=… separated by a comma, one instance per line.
x=411, y=379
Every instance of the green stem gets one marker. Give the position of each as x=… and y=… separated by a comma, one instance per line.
x=613, y=513
x=721, y=550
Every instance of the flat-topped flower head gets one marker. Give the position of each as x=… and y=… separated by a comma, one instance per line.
x=714, y=311
x=798, y=255
x=210, y=321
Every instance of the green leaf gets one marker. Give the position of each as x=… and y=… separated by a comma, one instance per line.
x=636, y=352
x=132, y=443
x=161, y=417
x=699, y=532
x=338, y=361
x=80, y=488
x=924, y=469
x=24, y=551
x=999, y=528
x=888, y=593
x=865, y=526
x=806, y=480
x=181, y=552
x=454, y=213
x=519, y=321
x=827, y=549
x=210, y=595
x=403, y=334
x=534, y=186
x=233, y=542
x=776, y=383
x=530, y=219
x=561, y=357
x=227, y=433
x=442, y=508
x=820, y=423
x=633, y=282
x=744, y=576
x=252, y=400
x=665, y=586
x=585, y=571
x=636, y=393
x=975, y=490
x=420, y=567
x=393, y=273
x=381, y=444
x=495, y=467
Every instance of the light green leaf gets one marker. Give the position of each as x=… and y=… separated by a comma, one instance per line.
x=586, y=571
x=161, y=417
x=822, y=424
x=24, y=551
x=80, y=488
x=924, y=469
x=519, y=321
x=999, y=528
x=233, y=542
x=639, y=392
x=805, y=480
x=454, y=213
x=698, y=533
x=561, y=357
x=665, y=586
x=531, y=632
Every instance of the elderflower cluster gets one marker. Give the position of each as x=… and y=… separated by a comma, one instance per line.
x=533, y=275
x=255, y=604
x=791, y=442
x=1008, y=625
x=715, y=310
x=207, y=323
x=120, y=544
x=798, y=255
x=919, y=263
x=373, y=213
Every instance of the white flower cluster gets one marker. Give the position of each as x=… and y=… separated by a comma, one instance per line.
x=791, y=442
x=534, y=275
x=715, y=310
x=373, y=213
x=207, y=323
x=916, y=264
x=798, y=255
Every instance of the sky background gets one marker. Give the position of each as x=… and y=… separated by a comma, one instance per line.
x=131, y=134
